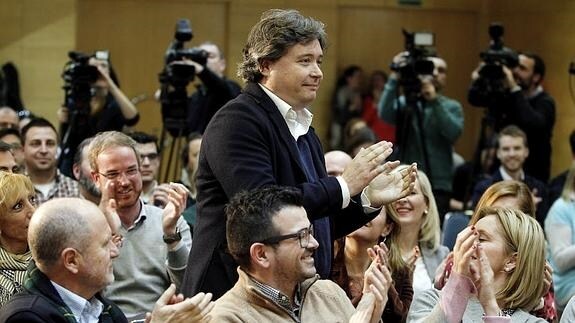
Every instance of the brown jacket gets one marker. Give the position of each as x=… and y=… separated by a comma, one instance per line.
x=322, y=301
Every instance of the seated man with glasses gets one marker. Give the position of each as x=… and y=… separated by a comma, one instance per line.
x=148, y=150
x=12, y=137
x=7, y=161
x=156, y=242
x=270, y=237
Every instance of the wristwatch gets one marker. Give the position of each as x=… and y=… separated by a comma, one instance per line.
x=171, y=238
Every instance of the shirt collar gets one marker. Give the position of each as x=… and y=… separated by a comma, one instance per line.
x=279, y=297
x=507, y=177
x=83, y=310
x=141, y=216
x=536, y=92
x=298, y=122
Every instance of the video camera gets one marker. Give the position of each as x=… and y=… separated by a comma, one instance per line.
x=180, y=74
x=490, y=84
x=175, y=77
x=419, y=46
x=497, y=54
x=78, y=77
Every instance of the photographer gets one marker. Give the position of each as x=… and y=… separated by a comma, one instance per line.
x=108, y=109
x=520, y=101
x=214, y=91
x=426, y=131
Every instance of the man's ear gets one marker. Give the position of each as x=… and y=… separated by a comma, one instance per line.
x=96, y=179
x=265, y=67
x=537, y=79
x=76, y=171
x=71, y=259
x=498, y=154
x=259, y=255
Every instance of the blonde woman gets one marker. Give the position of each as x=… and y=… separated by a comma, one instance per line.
x=17, y=203
x=516, y=195
x=419, y=232
x=498, y=272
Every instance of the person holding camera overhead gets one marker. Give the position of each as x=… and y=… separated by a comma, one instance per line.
x=521, y=101
x=109, y=109
x=427, y=128
x=214, y=91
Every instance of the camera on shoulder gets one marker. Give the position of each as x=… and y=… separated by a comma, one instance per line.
x=419, y=46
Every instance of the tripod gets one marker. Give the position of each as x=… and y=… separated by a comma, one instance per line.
x=404, y=119
x=480, y=164
x=176, y=129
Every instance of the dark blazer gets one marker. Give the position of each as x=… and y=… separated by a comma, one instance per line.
x=248, y=145
x=40, y=302
x=531, y=182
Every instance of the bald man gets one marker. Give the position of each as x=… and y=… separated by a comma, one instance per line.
x=71, y=244
x=72, y=247
x=336, y=161
x=8, y=118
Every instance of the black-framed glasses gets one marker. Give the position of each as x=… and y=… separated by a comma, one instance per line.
x=113, y=175
x=303, y=236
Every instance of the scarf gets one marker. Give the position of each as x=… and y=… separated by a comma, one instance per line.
x=12, y=273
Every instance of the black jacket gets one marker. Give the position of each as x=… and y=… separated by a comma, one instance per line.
x=248, y=145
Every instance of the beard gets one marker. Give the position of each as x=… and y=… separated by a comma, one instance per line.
x=87, y=183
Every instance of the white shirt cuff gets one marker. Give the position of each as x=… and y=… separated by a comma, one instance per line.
x=367, y=208
x=344, y=192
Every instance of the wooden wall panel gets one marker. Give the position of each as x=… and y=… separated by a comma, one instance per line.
x=35, y=36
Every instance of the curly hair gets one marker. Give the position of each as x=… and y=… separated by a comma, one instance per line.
x=276, y=32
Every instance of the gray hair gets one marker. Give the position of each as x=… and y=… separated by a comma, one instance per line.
x=59, y=224
x=276, y=32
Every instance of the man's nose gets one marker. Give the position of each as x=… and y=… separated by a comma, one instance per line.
x=316, y=71
x=313, y=244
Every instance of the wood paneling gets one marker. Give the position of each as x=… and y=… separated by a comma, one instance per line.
x=35, y=36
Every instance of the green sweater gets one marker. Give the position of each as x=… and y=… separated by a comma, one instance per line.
x=442, y=124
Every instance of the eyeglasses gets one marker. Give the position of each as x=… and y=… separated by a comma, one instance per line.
x=151, y=156
x=303, y=236
x=113, y=175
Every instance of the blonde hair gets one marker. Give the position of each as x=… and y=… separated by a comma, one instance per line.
x=512, y=188
x=429, y=232
x=109, y=139
x=396, y=262
x=13, y=187
x=523, y=237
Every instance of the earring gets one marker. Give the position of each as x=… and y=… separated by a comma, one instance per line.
x=425, y=212
x=384, y=238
